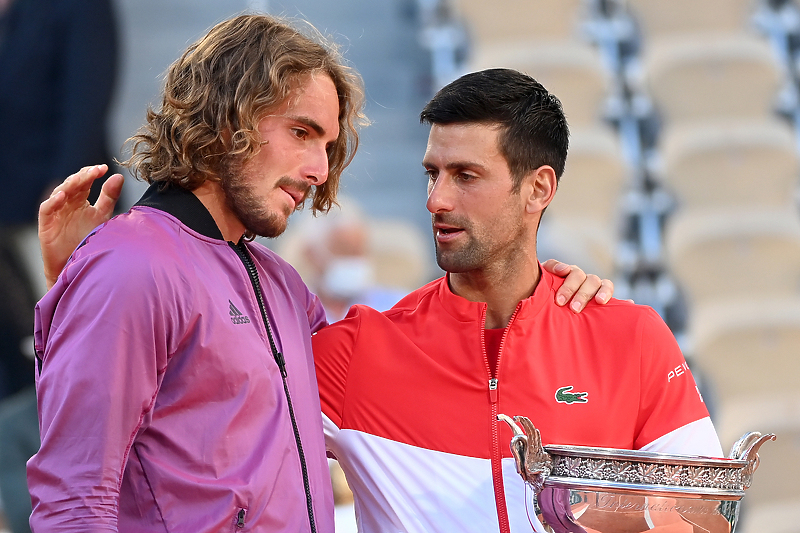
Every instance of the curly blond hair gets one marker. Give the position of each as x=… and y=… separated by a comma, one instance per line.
x=217, y=92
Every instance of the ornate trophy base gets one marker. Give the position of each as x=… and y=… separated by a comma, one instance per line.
x=581, y=489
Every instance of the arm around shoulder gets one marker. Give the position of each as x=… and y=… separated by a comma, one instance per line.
x=102, y=345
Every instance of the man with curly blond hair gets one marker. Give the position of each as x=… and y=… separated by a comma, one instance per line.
x=175, y=379
x=176, y=386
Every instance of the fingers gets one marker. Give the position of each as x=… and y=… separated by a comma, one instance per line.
x=570, y=285
x=578, y=287
x=593, y=287
x=75, y=189
x=79, y=185
x=606, y=292
x=556, y=267
x=113, y=187
x=109, y=194
x=52, y=204
x=575, y=278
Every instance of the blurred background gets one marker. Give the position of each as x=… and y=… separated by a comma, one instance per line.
x=681, y=183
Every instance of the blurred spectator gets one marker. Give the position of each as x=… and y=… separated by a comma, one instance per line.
x=57, y=68
x=338, y=262
x=19, y=440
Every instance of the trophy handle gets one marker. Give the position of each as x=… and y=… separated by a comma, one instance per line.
x=519, y=444
x=513, y=425
x=746, y=449
x=534, y=464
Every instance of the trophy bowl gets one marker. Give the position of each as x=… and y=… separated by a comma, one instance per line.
x=581, y=489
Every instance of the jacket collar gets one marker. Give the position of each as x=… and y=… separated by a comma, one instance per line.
x=183, y=205
x=467, y=311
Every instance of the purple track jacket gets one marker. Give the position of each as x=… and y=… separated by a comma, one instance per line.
x=162, y=404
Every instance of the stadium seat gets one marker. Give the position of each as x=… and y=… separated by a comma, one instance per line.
x=749, y=349
x=580, y=241
x=659, y=18
x=733, y=245
x=748, y=345
x=569, y=69
x=593, y=179
x=718, y=163
x=512, y=20
x=581, y=225
x=722, y=253
x=705, y=76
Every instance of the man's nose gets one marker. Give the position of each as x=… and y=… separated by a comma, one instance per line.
x=316, y=169
x=439, y=196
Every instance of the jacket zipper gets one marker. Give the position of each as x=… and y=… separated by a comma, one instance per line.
x=244, y=255
x=496, y=454
x=497, y=462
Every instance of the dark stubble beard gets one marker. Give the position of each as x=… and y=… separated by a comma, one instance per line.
x=243, y=202
x=469, y=256
x=482, y=248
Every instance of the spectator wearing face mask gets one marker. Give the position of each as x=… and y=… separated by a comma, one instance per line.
x=341, y=265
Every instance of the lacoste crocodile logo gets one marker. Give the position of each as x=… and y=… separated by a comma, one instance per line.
x=563, y=395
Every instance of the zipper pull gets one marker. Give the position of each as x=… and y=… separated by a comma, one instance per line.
x=493, y=390
x=240, y=519
x=281, y=363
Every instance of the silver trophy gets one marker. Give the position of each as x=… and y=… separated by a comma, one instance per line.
x=582, y=489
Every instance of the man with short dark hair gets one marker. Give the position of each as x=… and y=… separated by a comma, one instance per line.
x=411, y=396
x=176, y=387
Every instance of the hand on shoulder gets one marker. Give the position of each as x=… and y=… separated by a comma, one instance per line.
x=66, y=217
x=578, y=287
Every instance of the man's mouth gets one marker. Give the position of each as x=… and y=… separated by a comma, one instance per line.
x=446, y=232
x=298, y=197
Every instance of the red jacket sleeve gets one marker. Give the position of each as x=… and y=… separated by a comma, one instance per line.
x=670, y=398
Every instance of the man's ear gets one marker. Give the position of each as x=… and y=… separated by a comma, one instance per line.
x=539, y=187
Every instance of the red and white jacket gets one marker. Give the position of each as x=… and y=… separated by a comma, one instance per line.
x=410, y=406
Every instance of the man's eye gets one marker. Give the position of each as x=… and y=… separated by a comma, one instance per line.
x=431, y=174
x=300, y=133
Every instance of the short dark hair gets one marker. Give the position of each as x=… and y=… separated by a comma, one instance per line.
x=534, y=128
x=217, y=92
